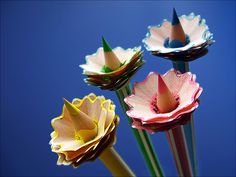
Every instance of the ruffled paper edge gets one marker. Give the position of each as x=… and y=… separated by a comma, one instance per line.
x=111, y=108
x=85, y=72
x=207, y=35
x=175, y=113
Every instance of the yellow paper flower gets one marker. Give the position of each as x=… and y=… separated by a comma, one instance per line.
x=85, y=128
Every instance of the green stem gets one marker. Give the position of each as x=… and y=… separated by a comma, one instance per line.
x=142, y=137
x=189, y=127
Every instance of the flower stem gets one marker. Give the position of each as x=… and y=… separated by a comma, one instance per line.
x=176, y=138
x=142, y=138
x=189, y=127
x=115, y=163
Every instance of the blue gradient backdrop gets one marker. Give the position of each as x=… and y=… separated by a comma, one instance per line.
x=42, y=45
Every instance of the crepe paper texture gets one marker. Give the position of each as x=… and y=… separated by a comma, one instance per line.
x=86, y=127
x=143, y=102
x=198, y=38
x=98, y=74
x=115, y=76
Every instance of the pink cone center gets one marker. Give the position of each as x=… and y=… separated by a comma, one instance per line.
x=164, y=101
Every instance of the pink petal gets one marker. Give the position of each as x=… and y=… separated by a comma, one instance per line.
x=183, y=85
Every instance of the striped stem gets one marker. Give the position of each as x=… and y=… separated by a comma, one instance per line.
x=189, y=127
x=142, y=137
x=177, y=141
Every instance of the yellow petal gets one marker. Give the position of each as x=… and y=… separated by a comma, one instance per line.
x=88, y=134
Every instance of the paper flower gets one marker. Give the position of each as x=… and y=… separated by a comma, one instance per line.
x=162, y=101
x=196, y=39
x=85, y=128
x=111, y=69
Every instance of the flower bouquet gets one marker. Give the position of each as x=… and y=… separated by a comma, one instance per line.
x=86, y=129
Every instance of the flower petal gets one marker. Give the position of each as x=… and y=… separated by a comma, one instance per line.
x=183, y=86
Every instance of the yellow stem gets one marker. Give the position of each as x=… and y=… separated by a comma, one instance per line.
x=115, y=163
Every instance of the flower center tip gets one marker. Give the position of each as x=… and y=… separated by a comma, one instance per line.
x=177, y=35
x=86, y=135
x=164, y=100
x=158, y=106
x=111, y=60
x=77, y=136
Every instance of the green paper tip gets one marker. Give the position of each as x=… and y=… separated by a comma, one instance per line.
x=106, y=47
x=106, y=69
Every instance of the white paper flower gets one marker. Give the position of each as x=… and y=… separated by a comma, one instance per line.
x=131, y=60
x=198, y=36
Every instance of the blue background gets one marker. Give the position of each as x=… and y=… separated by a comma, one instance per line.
x=42, y=45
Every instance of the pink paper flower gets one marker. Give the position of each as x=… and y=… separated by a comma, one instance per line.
x=161, y=102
